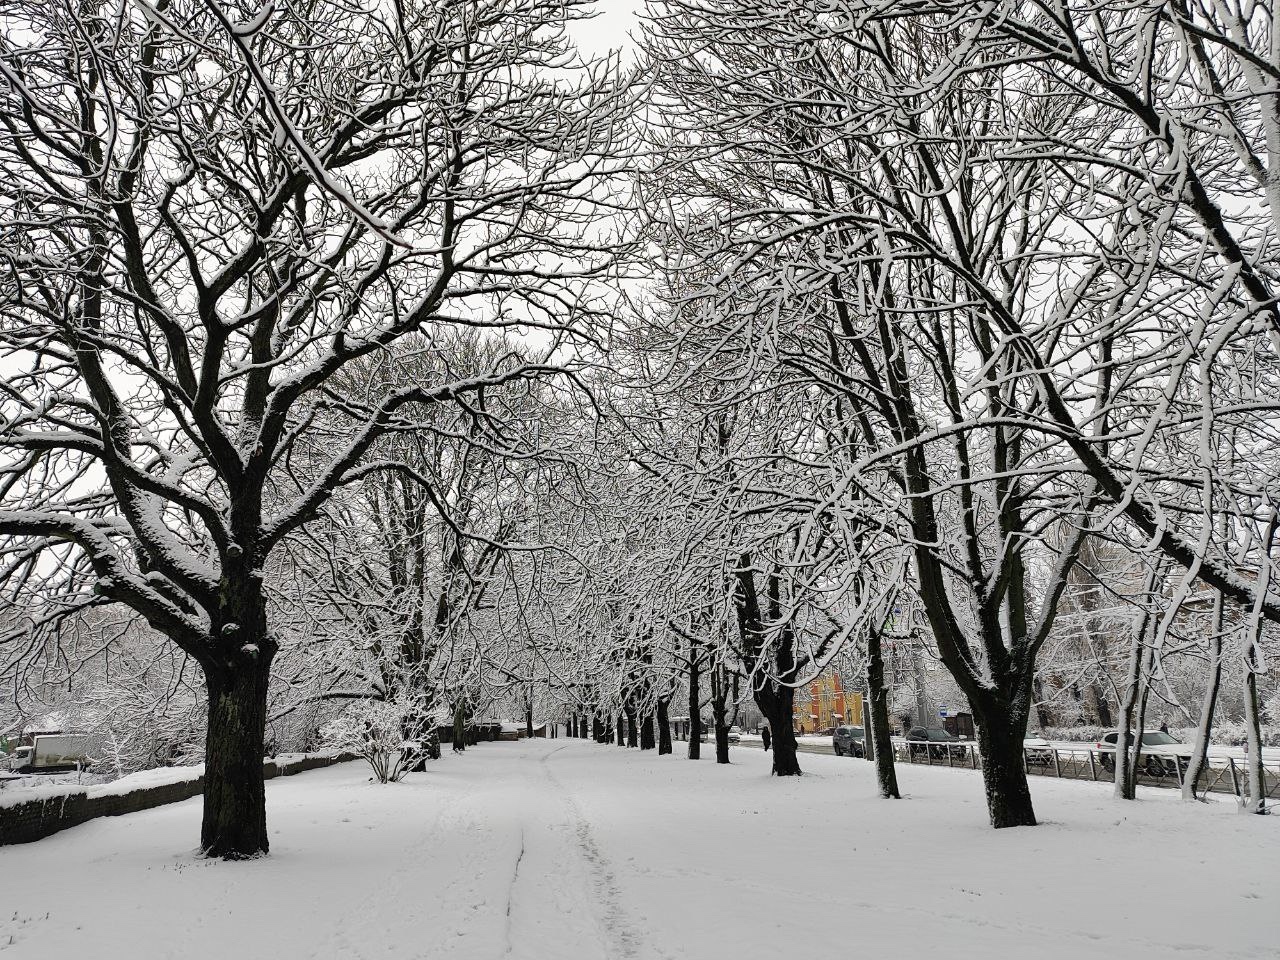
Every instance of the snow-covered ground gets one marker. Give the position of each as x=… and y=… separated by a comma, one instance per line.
x=566, y=850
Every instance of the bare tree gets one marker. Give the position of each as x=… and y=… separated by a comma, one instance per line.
x=206, y=221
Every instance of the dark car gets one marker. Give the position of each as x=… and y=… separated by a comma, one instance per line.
x=847, y=741
x=935, y=743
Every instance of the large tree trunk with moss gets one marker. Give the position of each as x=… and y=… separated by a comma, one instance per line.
x=234, y=825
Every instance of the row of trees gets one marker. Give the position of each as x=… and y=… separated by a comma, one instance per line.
x=407, y=354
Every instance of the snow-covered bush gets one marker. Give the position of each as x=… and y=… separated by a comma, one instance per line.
x=375, y=731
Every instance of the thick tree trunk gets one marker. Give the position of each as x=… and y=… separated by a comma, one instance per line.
x=597, y=727
x=528, y=722
x=720, y=712
x=621, y=730
x=879, y=745
x=647, y=741
x=1004, y=773
x=459, y=730
x=664, y=729
x=695, y=709
x=234, y=826
x=777, y=707
x=722, y=740
x=633, y=733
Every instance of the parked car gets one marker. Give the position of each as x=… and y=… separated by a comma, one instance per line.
x=735, y=734
x=935, y=743
x=1038, y=751
x=847, y=741
x=1163, y=755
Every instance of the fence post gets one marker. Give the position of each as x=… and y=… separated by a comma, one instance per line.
x=1093, y=770
x=1235, y=784
x=1057, y=769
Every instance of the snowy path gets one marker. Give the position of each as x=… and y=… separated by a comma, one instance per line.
x=565, y=850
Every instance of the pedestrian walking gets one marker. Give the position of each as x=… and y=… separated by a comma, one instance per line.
x=766, y=736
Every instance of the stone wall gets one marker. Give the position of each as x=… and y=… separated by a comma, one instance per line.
x=37, y=819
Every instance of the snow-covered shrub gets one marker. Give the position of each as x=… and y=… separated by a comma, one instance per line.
x=375, y=731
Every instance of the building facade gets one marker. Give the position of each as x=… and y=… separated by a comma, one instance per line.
x=824, y=704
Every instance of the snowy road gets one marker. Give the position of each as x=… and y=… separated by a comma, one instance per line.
x=565, y=850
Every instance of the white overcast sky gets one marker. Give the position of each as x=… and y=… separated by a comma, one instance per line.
x=610, y=29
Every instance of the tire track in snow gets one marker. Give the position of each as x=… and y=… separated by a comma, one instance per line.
x=605, y=895
x=511, y=890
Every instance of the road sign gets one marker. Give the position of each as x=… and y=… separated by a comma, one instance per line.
x=942, y=712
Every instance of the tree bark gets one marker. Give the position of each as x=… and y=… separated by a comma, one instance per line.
x=1256, y=802
x=695, y=707
x=234, y=825
x=774, y=697
x=621, y=730
x=1128, y=746
x=528, y=722
x=459, y=729
x=1199, y=759
x=776, y=702
x=1004, y=773
x=879, y=745
x=664, y=729
x=720, y=712
x=633, y=734
x=647, y=740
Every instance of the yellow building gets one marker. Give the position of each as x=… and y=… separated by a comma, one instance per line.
x=824, y=704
